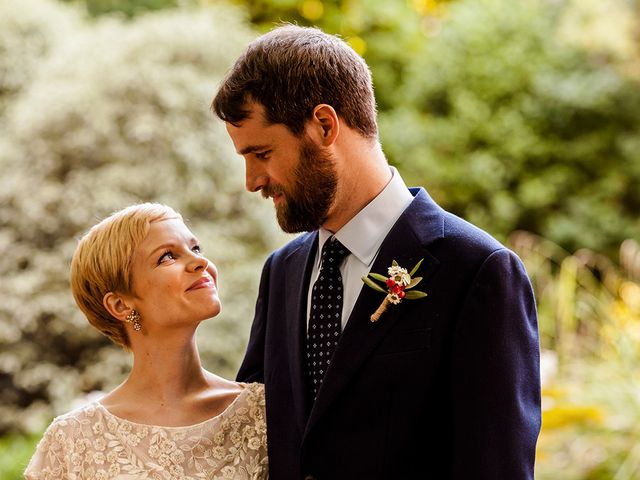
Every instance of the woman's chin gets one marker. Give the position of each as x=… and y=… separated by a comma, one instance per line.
x=214, y=311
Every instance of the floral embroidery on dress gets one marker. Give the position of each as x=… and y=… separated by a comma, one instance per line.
x=91, y=443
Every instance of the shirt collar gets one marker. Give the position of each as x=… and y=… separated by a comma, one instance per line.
x=363, y=234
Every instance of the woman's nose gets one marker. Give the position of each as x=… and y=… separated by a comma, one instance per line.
x=198, y=263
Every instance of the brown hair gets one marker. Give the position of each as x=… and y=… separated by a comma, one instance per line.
x=291, y=70
x=102, y=263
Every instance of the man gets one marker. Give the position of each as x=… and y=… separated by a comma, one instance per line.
x=445, y=386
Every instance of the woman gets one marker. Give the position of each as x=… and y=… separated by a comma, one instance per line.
x=140, y=278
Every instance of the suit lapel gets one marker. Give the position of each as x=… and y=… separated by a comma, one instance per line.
x=299, y=267
x=406, y=243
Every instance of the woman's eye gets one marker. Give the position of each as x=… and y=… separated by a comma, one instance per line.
x=166, y=256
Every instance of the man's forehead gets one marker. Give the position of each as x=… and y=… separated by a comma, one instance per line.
x=254, y=118
x=254, y=113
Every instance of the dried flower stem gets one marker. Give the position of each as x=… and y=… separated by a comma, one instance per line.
x=381, y=309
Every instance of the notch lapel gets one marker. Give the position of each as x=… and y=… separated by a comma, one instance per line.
x=406, y=243
x=298, y=268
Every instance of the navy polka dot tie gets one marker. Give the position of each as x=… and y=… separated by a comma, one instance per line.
x=325, y=322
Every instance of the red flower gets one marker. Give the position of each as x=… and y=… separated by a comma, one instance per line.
x=390, y=282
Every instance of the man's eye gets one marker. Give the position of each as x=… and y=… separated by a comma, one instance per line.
x=196, y=249
x=165, y=257
x=263, y=155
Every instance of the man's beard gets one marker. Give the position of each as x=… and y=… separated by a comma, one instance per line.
x=305, y=205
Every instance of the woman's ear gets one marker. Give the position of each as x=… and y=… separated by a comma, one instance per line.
x=116, y=305
x=325, y=124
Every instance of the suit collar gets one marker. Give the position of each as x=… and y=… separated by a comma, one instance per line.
x=299, y=265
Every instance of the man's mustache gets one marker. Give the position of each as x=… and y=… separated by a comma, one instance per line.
x=271, y=190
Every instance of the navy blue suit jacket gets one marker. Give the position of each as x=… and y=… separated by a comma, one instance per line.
x=444, y=387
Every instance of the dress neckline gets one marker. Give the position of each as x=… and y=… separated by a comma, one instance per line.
x=108, y=413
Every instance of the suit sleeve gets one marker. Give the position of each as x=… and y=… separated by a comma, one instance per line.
x=252, y=368
x=496, y=374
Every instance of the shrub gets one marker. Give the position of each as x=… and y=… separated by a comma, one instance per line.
x=589, y=317
x=514, y=128
x=28, y=32
x=118, y=114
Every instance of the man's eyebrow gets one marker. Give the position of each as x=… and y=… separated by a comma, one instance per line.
x=252, y=148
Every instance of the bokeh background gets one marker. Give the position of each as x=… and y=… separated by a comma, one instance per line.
x=523, y=116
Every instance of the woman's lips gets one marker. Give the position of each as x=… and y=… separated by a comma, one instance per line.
x=204, y=282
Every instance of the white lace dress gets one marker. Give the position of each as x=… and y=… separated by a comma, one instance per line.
x=91, y=443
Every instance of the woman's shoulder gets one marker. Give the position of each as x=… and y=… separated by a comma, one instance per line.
x=252, y=394
x=254, y=390
x=248, y=407
x=67, y=434
x=243, y=429
x=76, y=417
x=84, y=422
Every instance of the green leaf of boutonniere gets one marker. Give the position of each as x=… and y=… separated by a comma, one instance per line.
x=415, y=269
x=373, y=285
x=377, y=276
x=414, y=295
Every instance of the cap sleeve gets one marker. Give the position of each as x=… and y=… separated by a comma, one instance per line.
x=51, y=457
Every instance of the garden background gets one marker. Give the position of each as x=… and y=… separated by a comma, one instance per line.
x=522, y=116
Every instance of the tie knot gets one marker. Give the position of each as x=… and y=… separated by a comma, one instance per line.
x=333, y=252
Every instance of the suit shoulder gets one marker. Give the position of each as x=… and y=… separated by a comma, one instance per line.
x=302, y=240
x=434, y=225
x=477, y=249
x=469, y=236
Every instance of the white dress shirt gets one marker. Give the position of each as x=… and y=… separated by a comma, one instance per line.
x=363, y=236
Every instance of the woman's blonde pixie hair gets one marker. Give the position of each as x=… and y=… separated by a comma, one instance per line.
x=102, y=263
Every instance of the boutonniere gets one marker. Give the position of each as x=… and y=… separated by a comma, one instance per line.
x=398, y=282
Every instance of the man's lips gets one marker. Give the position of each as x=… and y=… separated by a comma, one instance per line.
x=204, y=282
x=276, y=194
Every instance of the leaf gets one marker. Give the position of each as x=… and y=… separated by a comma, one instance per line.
x=373, y=285
x=415, y=269
x=414, y=282
x=394, y=263
x=378, y=276
x=414, y=295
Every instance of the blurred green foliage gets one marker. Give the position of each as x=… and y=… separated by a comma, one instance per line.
x=15, y=452
x=516, y=115
x=386, y=33
x=513, y=128
x=27, y=36
x=589, y=319
x=128, y=8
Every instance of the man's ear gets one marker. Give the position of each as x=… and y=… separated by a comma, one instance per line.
x=117, y=306
x=325, y=124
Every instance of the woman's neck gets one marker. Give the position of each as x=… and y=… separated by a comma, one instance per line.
x=167, y=371
x=167, y=385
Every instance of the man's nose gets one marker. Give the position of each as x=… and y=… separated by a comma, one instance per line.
x=255, y=176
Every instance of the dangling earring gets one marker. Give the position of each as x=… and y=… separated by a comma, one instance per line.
x=134, y=318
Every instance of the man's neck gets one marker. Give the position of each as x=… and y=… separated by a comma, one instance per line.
x=362, y=176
